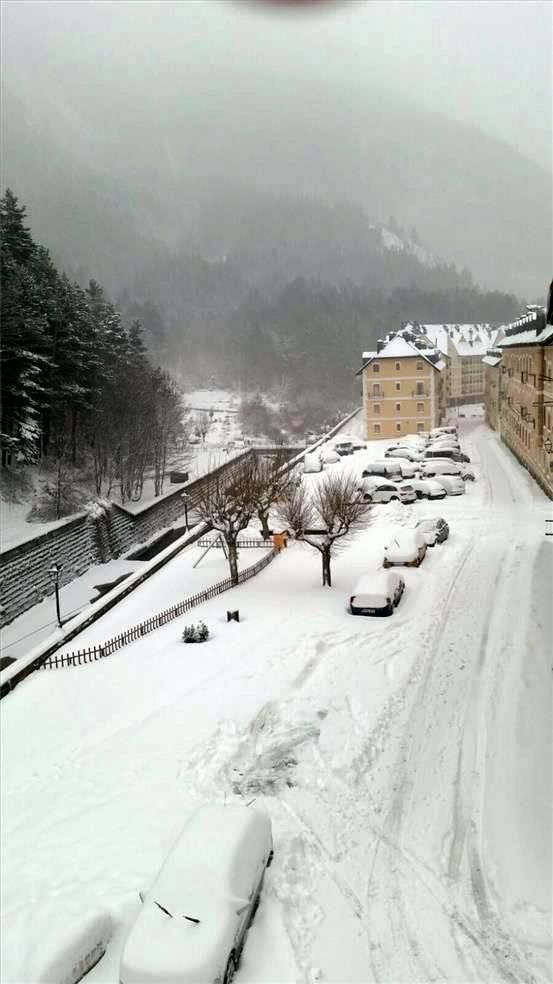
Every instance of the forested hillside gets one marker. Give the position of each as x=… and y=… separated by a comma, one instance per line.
x=77, y=386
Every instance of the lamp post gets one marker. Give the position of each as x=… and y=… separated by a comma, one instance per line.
x=54, y=572
x=185, y=501
x=548, y=446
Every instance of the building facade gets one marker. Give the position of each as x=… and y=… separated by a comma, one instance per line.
x=492, y=383
x=463, y=347
x=524, y=394
x=403, y=388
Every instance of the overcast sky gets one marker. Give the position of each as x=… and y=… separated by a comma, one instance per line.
x=483, y=62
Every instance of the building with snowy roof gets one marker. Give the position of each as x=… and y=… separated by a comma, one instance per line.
x=524, y=372
x=404, y=388
x=463, y=346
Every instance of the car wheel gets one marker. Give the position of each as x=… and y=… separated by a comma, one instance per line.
x=390, y=609
x=230, y=969
x=386, y=563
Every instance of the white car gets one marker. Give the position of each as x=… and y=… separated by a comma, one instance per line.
x=388, y=467
x=330, y=457
x=406, y=548
x=438, y=431
x=435, y=530
x=193, y=922
x=383, y=490
x=439, y=466
x=403, y=452
x=377, y=594
x=408, y=469
x=453, y=484
x=427, y=488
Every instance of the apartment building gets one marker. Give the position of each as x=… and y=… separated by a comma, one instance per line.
x=524, y=414
x=403, y=387
x=463, y=347
x=492, y=378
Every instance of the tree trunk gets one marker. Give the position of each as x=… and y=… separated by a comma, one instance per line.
x=325, y=555
x=232, y=558
x=74, y=436
x=263, y=519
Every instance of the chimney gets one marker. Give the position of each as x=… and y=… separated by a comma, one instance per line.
x=379, y=345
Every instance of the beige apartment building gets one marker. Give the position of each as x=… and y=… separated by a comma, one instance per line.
x=492, y=381
x=403, y=388
x=463, y=347
x=524, y=418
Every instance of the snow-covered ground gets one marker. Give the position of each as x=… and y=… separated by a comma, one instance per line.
x=406, y=762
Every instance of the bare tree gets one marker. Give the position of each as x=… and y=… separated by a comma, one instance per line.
x=275, y=479
x=228, y=504
x=335, y=507
x=203, y=424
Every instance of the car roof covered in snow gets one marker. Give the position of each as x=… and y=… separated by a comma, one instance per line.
x=211, y=869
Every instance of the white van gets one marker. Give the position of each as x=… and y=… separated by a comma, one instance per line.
x=194, y=919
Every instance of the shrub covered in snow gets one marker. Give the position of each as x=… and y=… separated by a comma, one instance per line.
x=195, y=633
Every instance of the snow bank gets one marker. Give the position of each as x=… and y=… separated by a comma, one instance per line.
x=67, y=958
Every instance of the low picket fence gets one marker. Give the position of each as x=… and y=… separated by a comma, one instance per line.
x=247, y=543
x=93, y=653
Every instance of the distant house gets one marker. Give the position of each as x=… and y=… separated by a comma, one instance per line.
x=403, y=386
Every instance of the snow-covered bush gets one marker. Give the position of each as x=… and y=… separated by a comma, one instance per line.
x=195, y=633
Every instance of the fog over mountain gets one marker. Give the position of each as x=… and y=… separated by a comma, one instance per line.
x=137, y=131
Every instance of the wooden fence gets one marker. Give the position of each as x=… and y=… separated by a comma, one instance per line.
x=82, y=656
x=247, y=542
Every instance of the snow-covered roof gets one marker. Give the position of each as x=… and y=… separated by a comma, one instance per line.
x=466, y=339
x=491, y=360
x=397, y=346
x=529, y=329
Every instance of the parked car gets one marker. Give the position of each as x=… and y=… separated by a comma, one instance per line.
x=390, y=467
x=437, y=527
x=403, y=452
x=312, y=463
x=439, y=452
x=330, y=457
x=453, y=484
x=377, y=594
x=406, y=548
x=193, y=922
x=343, y=448
x=359, y=446
x=408, y=469
x=440, y=466
x=427, y=488
x=384, y=491
x=467, y=474
x=445, y=429
x=407, y=492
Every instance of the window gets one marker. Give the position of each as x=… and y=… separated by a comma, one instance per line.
x=376, y=367
x=376, y=389
x=420, y=427
x=420, y=389
x=398, y=386
x=398, y=365
x=398, y=427
x=376, y=408
x=398, y=407
x=376, y=428
x=420, y=407
x=420, y=366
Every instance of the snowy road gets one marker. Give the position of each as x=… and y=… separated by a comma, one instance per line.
x=406, y=763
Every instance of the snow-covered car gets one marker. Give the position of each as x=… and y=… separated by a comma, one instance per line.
x=453, y=484
x=403, y=452
x=359, y=446
x=312, y=463
x=343, y=448
x=446, y=429
x=408, y=469
x=406, y=548
x=407, y=492
x=384, y=468
x=427, y=488
x=380, y=490
x=194, y=919
x=330, y=457
x=443, y=451
x=435, y=528
x=377, y=594
x=440, y=466
x=467, y=474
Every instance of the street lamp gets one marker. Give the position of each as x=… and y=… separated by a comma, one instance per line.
x=54, y=572
x=185, y=497
x=547, y=445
